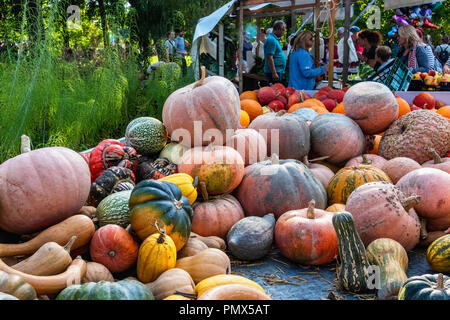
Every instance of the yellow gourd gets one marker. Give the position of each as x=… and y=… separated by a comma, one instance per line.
x=186, y=183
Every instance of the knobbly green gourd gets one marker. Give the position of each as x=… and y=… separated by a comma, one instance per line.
x=147, y=135
x=114, y=209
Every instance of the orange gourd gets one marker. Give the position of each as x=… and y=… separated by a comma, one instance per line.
x=252, y=107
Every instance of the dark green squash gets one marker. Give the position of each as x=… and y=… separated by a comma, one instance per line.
x=426, y=287
x=251, y=238
x=106, y=290
x=160, y=201
x=392, y=259
x=352, y=271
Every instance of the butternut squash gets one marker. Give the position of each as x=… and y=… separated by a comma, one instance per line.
x=78, y=225
x=211, y=241
x=192, y=247
x=171, y=281
x=51, y=284
x=96, y=272
x=49, y=260
x=206, y=263
x=16, y=286
x=234, y=292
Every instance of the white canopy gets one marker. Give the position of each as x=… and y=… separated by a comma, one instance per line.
x=395, y=4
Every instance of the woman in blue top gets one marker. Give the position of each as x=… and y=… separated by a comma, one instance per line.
x=412, y=54
x=302, y=72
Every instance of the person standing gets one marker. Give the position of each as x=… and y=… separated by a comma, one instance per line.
x=442, y=51
x=411, y=53
x=170, y=46
x=274, y=57
x=302, y=72
x=181, y=49
x=369, y=40
x=246, y=47
x=258, y=46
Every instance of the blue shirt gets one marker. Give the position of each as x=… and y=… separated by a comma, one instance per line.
x=273, y=47
x=180, y=45
x=302, y=73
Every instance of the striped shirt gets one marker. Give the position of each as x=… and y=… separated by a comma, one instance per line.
x=430, y=56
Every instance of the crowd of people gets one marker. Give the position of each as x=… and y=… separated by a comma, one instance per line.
x=365, y=46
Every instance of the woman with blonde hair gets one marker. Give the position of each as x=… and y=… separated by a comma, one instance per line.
x=302, y=72
x=412, y=54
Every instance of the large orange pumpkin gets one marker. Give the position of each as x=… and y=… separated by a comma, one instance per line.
x=211, y=104
x=372, y=105
x=444, y=111
x=220, y=167
x=252, y=107
x=339, y=108
x=249, y=95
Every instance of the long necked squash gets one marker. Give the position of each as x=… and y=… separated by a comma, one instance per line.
x=352, y=271
x=171, y=281
x=392, y=259
x=438, y=254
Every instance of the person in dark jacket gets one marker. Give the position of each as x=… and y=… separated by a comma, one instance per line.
x=411, y=53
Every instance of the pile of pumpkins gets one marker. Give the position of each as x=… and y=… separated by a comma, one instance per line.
x=160, y=214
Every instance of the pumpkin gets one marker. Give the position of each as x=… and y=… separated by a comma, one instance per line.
x=318, y=242
x=398, y=167
x=307, y=114
x=173, y=152
x=426, y=287
x=285, y=134
x=297, y=97
x=234, y=292
x=346, y=180
x=176, y=297
x=438, y=254
x=250, y=144
x=339, y=108
x=433, y=186
x=381, y=210
x=437, y=162
x=106, y=290
x=211, y=241
x=248, y=95
x=266, y=95
x=276, y=186
x=113, y=247
x=186, y=183
x=424, y=100
x=161, y=201
x=157, y=254
x=403, y=107
x=372, y=143
x=252, y=107
x=309, y=103
x=337, y=207
x=337, y=136
x=5, y=296
x=215, y=216
x=251, y=237
x=111, y=153
x=16, y=286
x=353, y=269
x=154, y=169
x=444, y=111
x=114, y=209
x=192, y=247
x=146, y=135
x=113, y=179
x=205, y=264
x=211, y=102
x=371, y=105
x=367, y=159
x=320, y=171
x=220, y=167
x=414, y=134
x=245, y=119
x=96, y=272
x=38, y=181
x=391, y=258
x=171, y=281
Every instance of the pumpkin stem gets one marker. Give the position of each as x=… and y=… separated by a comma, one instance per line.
x=410, y=202
x=275, y=159
x=319, y=159
x=365, y=159
x=423, y=229
x=112, y=253
x=280, y=113
x=436, y=157
x=306, y=161
x=203, y=190
x=195, y=183
x=162, y=233
x=440, y=282
x=70, y=243
x=200, y=82
x=178, y=204
x=311, y=207
x=187, y=295
x=25, y=144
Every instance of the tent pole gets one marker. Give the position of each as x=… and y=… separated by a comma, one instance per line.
x=346, y=47
x=331, y=44
x=221, y=55
x=317, y=38
x=258, y=35
x=293, y=18
x=241, y=44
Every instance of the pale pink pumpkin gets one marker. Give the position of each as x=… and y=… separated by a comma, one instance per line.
x=367, y=159
x=398, y=167
x=437, y=162
x=250, y=145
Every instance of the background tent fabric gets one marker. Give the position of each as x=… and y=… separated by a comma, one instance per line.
x=394, y=4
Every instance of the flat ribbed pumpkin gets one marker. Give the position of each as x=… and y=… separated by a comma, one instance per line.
x=212, y=102
x=156, y=254
x=346, y=180
x=252, y=107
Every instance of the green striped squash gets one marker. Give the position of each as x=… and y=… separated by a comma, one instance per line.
x=107, y=290
x=352, y=271
x=438, y=254
x=147, y=135
x=114, y=209
x=347, y=179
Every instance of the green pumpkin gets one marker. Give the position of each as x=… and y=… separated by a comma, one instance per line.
x=154, y=201
x=147, y=135
x=114, y=209
x=426, y=287
x=106, y=290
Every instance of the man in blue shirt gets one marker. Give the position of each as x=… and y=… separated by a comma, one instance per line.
x=180, y=49
x=274, y=58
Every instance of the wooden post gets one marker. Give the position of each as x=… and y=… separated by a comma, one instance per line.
x=221, y=51
x=258, y=35
x=317, y=39
x=346, y=47
x=331, y=44
x=241, y=44
x=293, y=18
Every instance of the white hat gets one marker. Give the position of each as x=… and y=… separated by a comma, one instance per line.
x=341, y=30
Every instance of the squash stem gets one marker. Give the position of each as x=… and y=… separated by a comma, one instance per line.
x=275, y=159
x=306, y=161
x=366, y=160
x=440, y=282
x=281, y=113
x=187, y=295
x=70, y=243
x=311, y=207
x=436, y=157
x=112, y=253
x=203, y=190
x=410, y=202
x=423, y=229
x=178, y=204
x=25, y=144
x=319, y=159
x=200, y=82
